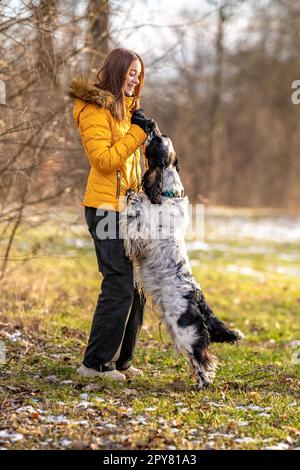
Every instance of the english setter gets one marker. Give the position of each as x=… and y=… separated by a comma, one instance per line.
x=153, y=227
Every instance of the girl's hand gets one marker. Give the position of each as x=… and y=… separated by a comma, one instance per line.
x=140, y=120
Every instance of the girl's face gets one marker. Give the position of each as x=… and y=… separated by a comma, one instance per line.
x=132, y=78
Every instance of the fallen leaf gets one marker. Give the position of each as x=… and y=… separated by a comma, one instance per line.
x=232, y=426
x=80, y=445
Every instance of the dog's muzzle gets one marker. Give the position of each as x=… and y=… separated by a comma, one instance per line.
x=153, y=130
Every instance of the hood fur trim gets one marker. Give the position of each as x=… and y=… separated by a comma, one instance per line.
x=85, y=90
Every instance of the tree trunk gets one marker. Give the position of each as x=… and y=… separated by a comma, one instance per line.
x=98, y=12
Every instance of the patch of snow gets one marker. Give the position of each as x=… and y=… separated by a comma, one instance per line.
x=244, y=440
x=289, y=271
x=11, y=436
x=77, y=242
x=220, y=434
x=174, y=430
x=280, y=229
x=100, y=400
x=110, y=426
x=84, y=404
x=253, y=408
x=60, y=419
x=65, y=442
x=141, y=419
x=82, y=422
x=84, y=396
x=279, y=446
x=14, y=337
x=246, y=271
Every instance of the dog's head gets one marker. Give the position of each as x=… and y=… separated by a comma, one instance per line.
x=160, y=155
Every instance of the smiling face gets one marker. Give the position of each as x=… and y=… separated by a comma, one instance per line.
x=132, y=78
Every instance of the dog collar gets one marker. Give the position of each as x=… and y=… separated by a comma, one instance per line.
x=172, y=194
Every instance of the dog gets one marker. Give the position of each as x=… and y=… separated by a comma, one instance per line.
x=153, y=226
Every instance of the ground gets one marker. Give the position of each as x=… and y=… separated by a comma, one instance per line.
x=46, y=308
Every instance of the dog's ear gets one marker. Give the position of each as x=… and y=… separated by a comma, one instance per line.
x=152, y=127
x=177, y=165
x=152, y=184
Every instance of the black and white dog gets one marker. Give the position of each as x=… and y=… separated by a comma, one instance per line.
x=153, y=227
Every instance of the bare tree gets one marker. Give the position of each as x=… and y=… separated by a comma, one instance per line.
x=98, y=34
x=46, y=20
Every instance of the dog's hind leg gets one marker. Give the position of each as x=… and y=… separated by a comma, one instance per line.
x=192, y=339
x=203, y=361
x=218, y=330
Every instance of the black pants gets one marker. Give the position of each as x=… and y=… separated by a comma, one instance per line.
x=119, y=312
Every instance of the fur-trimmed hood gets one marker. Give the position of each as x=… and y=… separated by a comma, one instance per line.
x=88, y=92
x=85, y=90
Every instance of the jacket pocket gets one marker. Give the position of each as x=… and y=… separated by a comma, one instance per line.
x=118, y=184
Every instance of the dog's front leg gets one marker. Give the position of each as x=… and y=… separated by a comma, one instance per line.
x=131, y=222
x=131, y=197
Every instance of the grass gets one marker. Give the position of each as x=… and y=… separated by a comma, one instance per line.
x=46, y=311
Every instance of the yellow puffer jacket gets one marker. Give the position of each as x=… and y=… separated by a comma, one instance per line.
x=111, y=146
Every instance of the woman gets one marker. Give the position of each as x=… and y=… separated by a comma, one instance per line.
x=112, y=132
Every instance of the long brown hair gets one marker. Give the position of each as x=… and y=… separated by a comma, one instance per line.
x=112, y=77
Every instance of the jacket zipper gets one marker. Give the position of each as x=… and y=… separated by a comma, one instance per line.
x=118, y=183
x=136, y=171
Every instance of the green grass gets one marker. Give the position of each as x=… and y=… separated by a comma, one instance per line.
x=49, y=302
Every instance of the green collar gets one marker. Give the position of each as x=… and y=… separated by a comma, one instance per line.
x=172, y=194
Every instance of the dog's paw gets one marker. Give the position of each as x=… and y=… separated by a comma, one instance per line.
x=239, y=336
x=222, y=334
x=130, y=194
x=203, y=384
x=236, y=336
x=132, y=198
